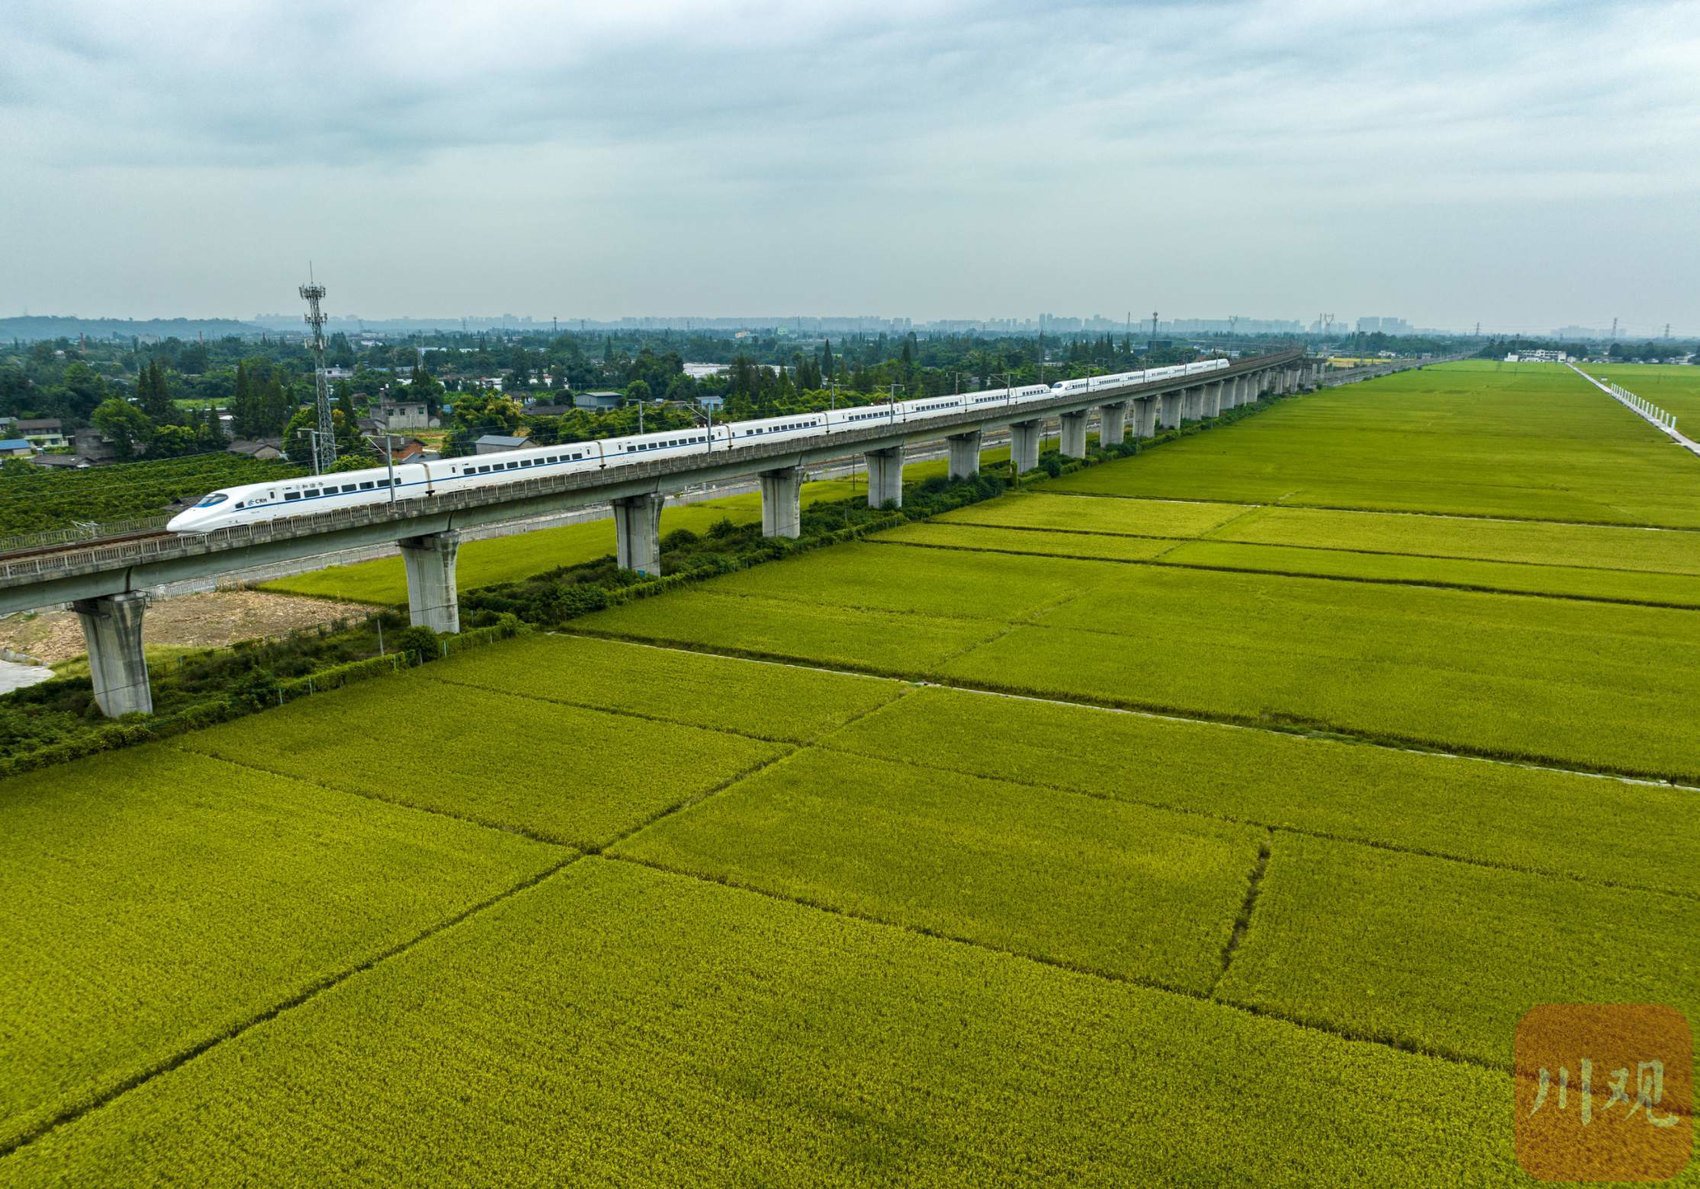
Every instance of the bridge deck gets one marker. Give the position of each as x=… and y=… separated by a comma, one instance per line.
x=87, y=571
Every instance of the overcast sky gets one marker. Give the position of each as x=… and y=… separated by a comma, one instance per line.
x=1525, y=164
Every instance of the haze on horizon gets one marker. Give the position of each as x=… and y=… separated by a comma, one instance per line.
x=1520, y=163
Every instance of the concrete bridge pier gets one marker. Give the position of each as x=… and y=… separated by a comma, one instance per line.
x=1145, y=417
x=112, y=628
x=1112, y=424
x=432, y=599
x=885, y=477
x=1169, y=416
x=637, y=532
x=1074, y=434
x=1213, y=399
x=965, y=454
x=782, y=502
x=1024, y=445
x=1231, y=393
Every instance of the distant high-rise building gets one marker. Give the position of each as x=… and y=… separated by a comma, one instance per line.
x=1383, y=325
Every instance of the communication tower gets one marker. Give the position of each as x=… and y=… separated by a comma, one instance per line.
x=324, y=440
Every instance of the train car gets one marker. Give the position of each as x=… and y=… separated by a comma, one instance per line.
x=768, y=429
x=1119, y=380
x=252, y=503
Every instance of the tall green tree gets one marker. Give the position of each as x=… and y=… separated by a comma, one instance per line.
x=124, y=425
x=244, y=412
x=153, y=394
x=348, y=439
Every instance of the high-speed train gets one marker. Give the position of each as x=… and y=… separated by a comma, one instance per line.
x=254, y=502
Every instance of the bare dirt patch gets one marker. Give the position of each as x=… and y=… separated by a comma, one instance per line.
x=193, y=621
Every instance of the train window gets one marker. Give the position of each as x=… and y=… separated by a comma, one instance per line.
x=367, y=486
x=351, y=487
x=241, y=504
x=214, y=498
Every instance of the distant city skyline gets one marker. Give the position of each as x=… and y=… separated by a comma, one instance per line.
x=35, y=327
x=1526, y=165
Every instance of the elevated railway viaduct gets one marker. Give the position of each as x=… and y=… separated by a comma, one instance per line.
x=106, y=582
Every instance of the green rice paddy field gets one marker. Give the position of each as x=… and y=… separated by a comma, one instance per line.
x=1210, y=816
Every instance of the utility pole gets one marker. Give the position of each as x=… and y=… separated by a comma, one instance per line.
x=389, y=455
x=324, y=440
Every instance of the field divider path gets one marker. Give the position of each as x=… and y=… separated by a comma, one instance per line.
x=296, y=999
x=1274, y=828
x=468, y=819
x=1026, y=619
x=1284, y=502
x=737, y=778
x=1293, y=727
x=624, y=712
x=1435, y=1053
x=1157, y=560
